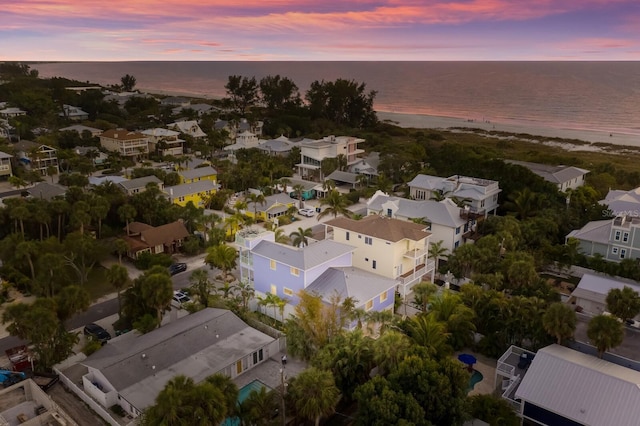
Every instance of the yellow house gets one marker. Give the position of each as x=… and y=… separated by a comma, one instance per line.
x=389, y=247
x=199, y=174
x=275, y=205
x=196, y=192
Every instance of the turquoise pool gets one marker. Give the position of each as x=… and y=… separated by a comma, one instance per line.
x=476, y=377
x=243, y=394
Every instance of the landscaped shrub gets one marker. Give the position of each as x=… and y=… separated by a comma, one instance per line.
x=91, y=346
x=147, y=260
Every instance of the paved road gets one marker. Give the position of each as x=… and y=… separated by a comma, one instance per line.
x=105, y=309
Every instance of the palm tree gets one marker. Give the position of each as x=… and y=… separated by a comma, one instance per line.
x=457, y=317
x=228, y=389
x=121, y=247
x=280, y=237
x=127, y=214
x=245, y=291
x=260, y=406
x=423, y=292
x=240, y=205
x=605, y=332
x=201, y=285
x=59, y=207
x=315, y=394
x=389, y=350
x=41, y=215
x=19, y=214
x=428, y=332
x=80, y=215
x=524, y=203
x=623, y=303
x=222, y=257
x=118, y=277
x=559, y=320
x=26, y=250
x=299, y=190
x=257, y=199
x=99, y=210
x=436, y=251
x=336, y=204
x=300, y=238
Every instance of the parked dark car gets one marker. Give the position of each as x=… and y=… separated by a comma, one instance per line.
x=94, y=331
x=176, y=268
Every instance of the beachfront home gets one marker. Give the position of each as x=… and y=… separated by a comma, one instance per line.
x=479, y=195
x=562, y=386
x=143, y=238
x=5, y=165
x=73, y=113
x=198, y=174
x=36, y=157
x=138, y=185
x=278, y=147
x=564, y=177
x=126, y=143
x=367, y=165
x=243, y=140
x=188, y=127
x=443, y=219
x=614, y=239
x=590, y=296
x=133, y=369
x=274, y=205
x=164, y=141
x=312, y=152
x=393, y=248
x=196, y=192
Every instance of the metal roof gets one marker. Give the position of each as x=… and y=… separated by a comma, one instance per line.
x=444, y=212
x=550, y=173
x=597, y=231
x=198, y=172
x=140, y=182
x=581, y=387
x=352, y=282
x=303, y=258
x=197, y=346
x=185, y=189
x=596, y=287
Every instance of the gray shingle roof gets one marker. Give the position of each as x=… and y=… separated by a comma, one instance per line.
x=444, y=212
x=47, y=191
x=597, y=231
x=350, y=282
x=198, y=172
x=140, y=182
x=553, y=174
x=596, y=287
x=302, y=258
x=197, y=346
x=340, y=176
x=581, y=387
x=190, y=188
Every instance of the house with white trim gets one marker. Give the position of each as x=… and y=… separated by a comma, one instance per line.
x=126, y=143
x=73, y=113
x=443, y=219
x=392, y=248
x=480, y=195
x=5, y=165
x=591, y=292
x=312, y=152
x=623, y=203
x=133, y=369
x=188, y=127
x=164, y=141
x=564, y=177
x=614, y=239
x=37, y=157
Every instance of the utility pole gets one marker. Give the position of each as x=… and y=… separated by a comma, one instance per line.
x=283, y=377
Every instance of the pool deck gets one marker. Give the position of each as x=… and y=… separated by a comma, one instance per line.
x=487, y=367
x=269, y=371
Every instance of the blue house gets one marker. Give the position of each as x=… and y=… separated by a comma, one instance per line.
x=324, y=268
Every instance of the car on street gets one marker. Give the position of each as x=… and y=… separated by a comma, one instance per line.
x=633, y=323
x=176, y=268
x=95, y=332
x=307, y=212
x=179, y=298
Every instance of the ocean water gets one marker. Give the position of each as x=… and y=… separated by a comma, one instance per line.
x=600, y=96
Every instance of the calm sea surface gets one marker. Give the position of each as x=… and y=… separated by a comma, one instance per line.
x=602, y=96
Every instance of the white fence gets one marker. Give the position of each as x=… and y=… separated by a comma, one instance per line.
x=90, y=402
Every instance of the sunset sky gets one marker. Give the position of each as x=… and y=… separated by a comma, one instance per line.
x=93, y=30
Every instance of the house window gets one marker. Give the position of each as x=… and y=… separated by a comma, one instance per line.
x=625, y=237
x=369, y=305
x=347, y=235
x=274, y=289
x=383, y=297
x=457, y=243
x=295, y=271
x=287, y=291
x=614, y=250
x=368, y=240
x=181, y=199
x=374, y=264
x=389, y=213
x=482, y=203
x=617, y=236
x=457, y=230
x=623, y=253
x=272, y=264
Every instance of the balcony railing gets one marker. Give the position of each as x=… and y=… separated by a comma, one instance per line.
x=416, y=253
x=416, y=273
x=471, y=214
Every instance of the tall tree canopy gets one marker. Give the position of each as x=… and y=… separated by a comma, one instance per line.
x=345, y=102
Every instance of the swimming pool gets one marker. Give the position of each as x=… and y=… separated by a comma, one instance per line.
x=243, y=394
x=476, y=377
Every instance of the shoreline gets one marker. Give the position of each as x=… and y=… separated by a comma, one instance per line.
x=589, y=137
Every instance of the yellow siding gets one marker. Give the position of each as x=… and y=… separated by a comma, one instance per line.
x=212, y=178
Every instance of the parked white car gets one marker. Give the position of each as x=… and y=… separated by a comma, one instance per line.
x=179, y=298
x=307, y=212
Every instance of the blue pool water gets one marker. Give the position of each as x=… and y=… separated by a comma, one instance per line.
x=243, y=394
x=476, y=377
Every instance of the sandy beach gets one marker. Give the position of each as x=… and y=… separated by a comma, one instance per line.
x=420, y=121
